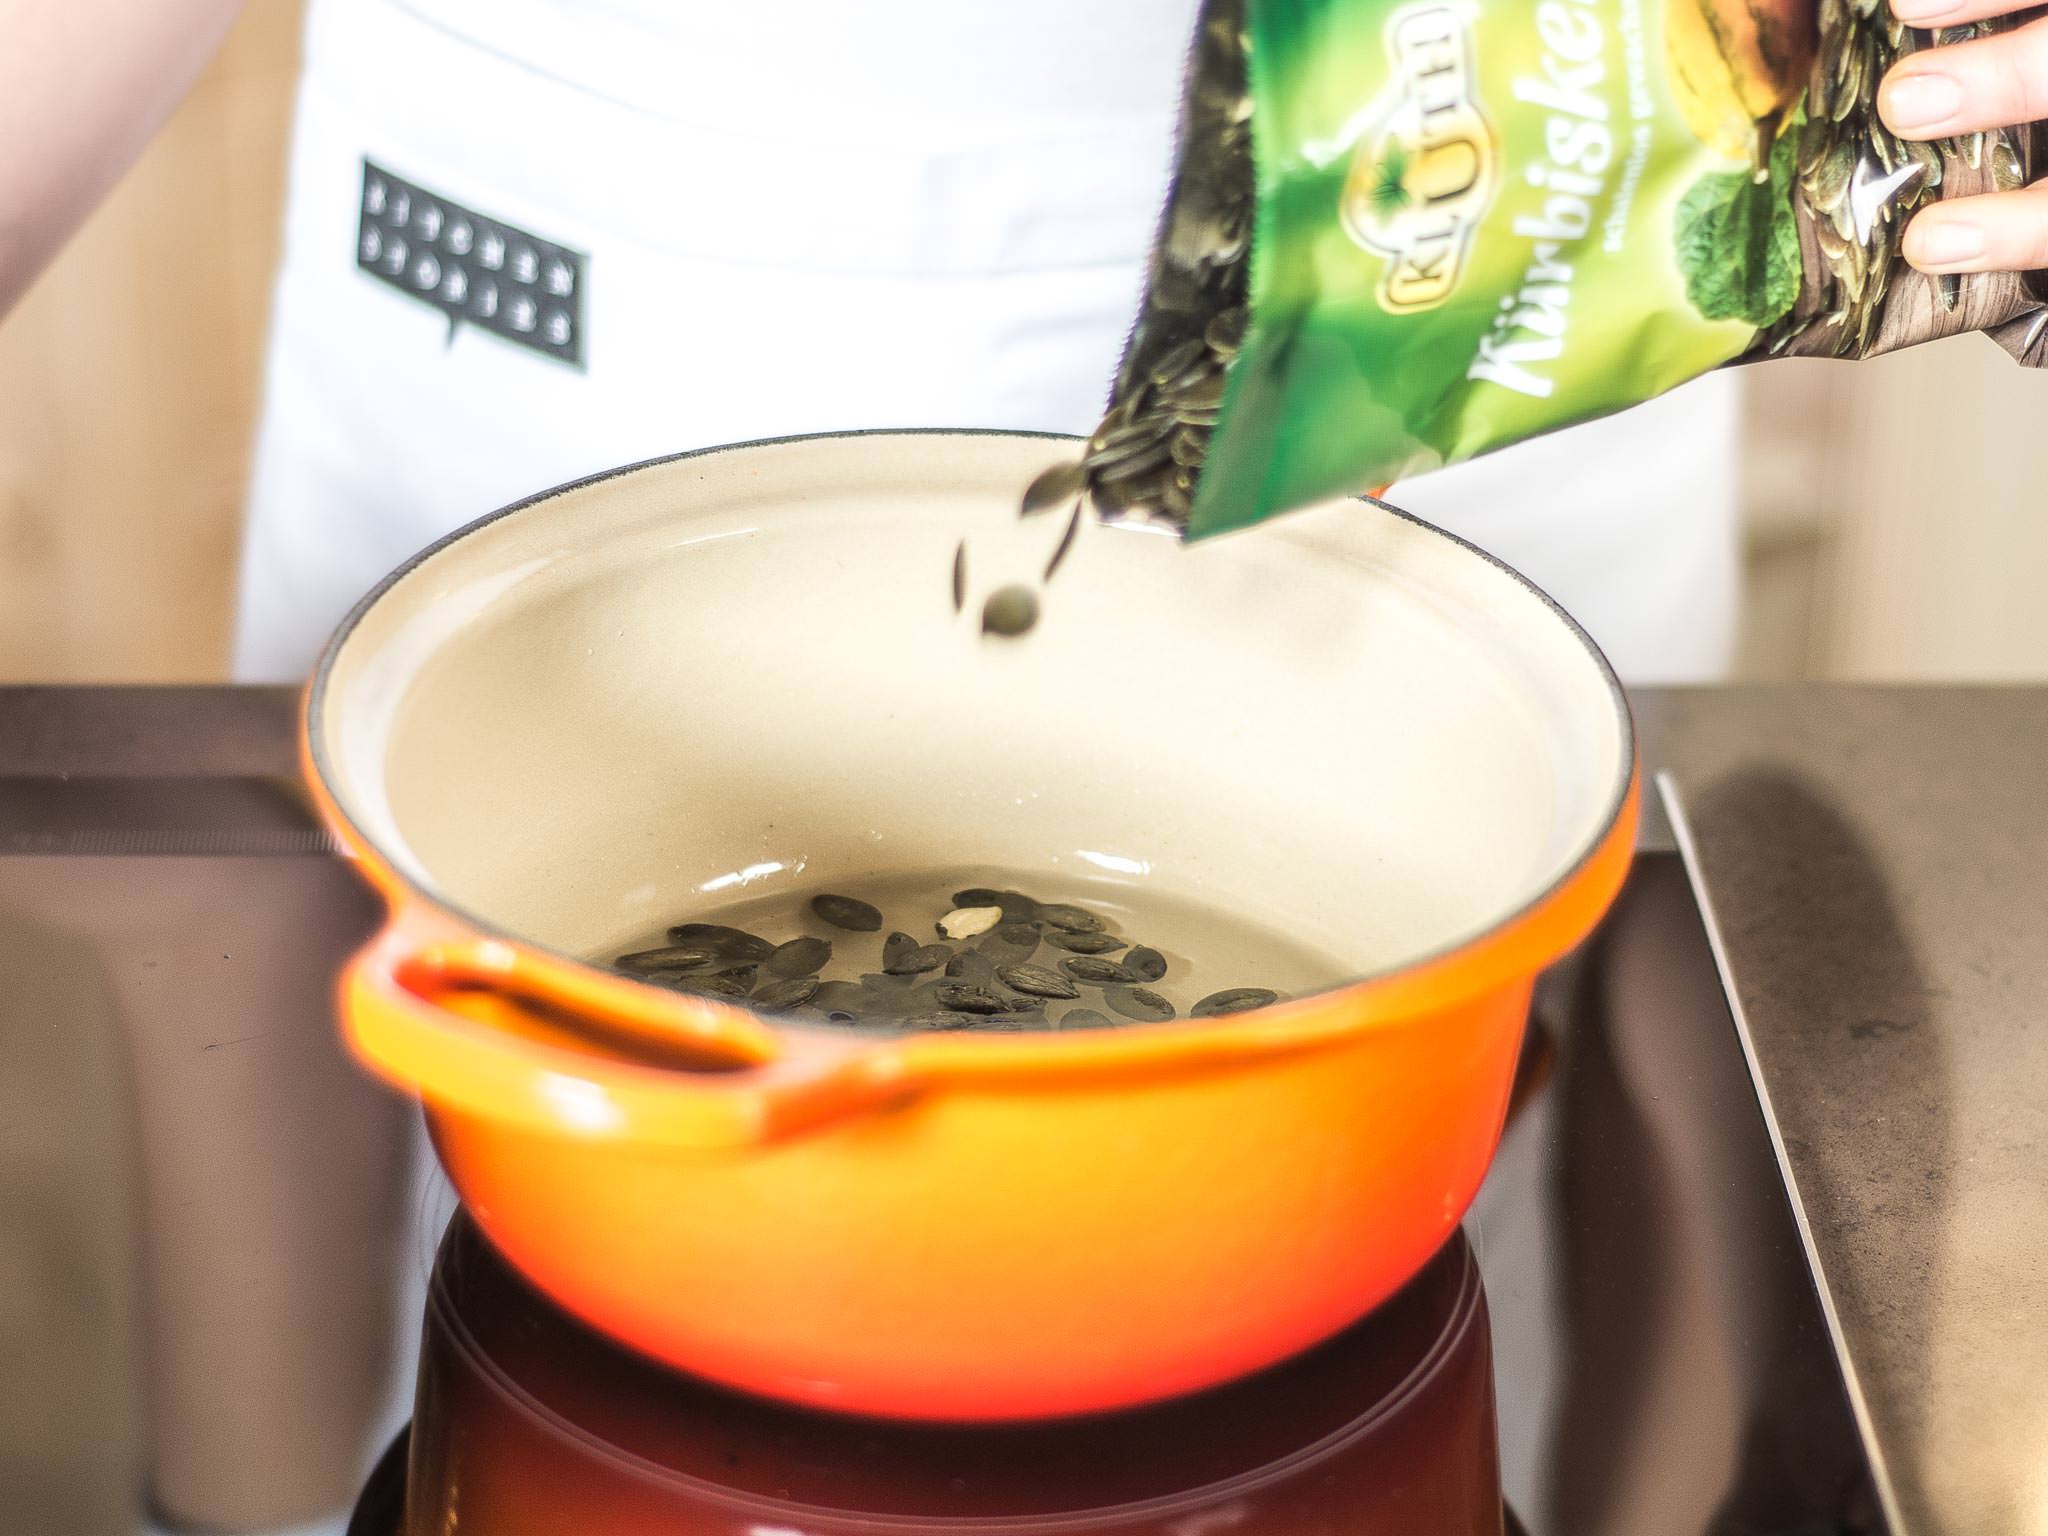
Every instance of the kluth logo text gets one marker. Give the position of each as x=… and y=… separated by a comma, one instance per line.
x=1422, y=181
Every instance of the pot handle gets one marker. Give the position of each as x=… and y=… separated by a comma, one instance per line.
x=483, y=1027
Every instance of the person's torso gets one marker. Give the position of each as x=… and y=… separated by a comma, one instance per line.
x=805, y=217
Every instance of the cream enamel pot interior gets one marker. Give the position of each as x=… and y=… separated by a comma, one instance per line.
x=616, y=705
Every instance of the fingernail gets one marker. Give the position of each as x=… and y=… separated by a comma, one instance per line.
x=1944, y=244
x=1921, y=101
x=1923, y=13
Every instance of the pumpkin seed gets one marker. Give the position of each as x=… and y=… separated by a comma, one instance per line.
x=972, y=967
x=1036, y=980
x=1054, y=487
x=1013, y=1022
x=1066, y=543
x=847, y=912
x=1010, y=611
x=1085, y=943
x=1133, y=461
x=969, y=922
x=1178, y=361
x=670, y=957
x=787, y=991
x=980, y=974
x=1010, y=944
x=887, y=997
x=1146, y=964
x=939, y=1020
x=960, y=577
x=726, y=943
x=2007, y=171
x=1236, y=1000
x=961, y=998
x=799, y=957
x=1071, y=919
x=1098, y=972
x=1139, y=1003
x=1191, y=323
x=925, y=957
x=1017, y=907
x=1225, y=331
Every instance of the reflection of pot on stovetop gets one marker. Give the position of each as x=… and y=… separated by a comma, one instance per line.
x=573, y=721
x=529, y=1423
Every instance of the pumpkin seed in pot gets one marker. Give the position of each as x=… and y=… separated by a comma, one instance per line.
x=1009, y=612
x=799, y=957
x=936, y=1021
x=726, y=943
x=886, y=1002
x=669, y=957
x=1145, y=964
x=961, y=998
x=847, y=912
x=960, y=577
x=1236, y=1000
x=838, y=997
x=1010, y=944
x=1017, y=907
x=970, y=922
x=1098, y=972
x=787, y=991
x=925, y=957
x=1139, y=1003
x=972, y=967
x=1085, y=943
x=1036, y=980
x=1070, y=919
x=992, y=979
x=1014, y=1022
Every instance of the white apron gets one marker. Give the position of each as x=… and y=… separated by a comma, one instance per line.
x=795, y=218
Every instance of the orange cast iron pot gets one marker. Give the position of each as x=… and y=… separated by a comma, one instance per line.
x=593, y=713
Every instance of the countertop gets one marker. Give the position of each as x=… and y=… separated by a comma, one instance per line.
x=1877, y=863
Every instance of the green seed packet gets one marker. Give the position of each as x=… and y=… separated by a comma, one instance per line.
x=1432, y=228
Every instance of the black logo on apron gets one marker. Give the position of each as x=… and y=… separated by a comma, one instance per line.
x=475, y=269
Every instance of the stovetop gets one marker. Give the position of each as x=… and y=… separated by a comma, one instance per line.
x=1631, y=1280
x=526, y=1422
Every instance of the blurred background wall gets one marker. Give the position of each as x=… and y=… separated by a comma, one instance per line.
x=128, y=389
x=1895, y=509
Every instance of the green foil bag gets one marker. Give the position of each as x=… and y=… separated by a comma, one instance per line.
x=1403, y=233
